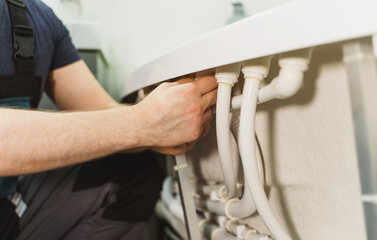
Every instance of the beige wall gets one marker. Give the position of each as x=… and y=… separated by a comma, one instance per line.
x=309, y=152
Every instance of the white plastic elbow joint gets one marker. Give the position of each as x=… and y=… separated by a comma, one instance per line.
x=290, y=80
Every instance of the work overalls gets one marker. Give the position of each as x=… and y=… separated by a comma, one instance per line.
x=20, y=90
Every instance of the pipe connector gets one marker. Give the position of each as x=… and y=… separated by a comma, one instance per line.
x=252, y=235
x=256, y=68
x=297, y=59
x=222, y=193
x=227, y=206
x=228, y=74
x=217, y=231
x=291, y=75
x=228, y=225
x=201, y=224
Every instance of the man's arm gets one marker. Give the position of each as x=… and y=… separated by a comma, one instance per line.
x=32, y=141
x=74, y=87
x=173, y=114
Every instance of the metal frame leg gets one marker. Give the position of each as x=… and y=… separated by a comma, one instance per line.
x=362, y=76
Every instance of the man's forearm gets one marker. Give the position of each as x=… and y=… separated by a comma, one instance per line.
x=32, y=141
x=174, y=114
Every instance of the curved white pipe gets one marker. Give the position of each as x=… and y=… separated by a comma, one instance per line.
x=223, y=139
x=235, y=208
x=245, y=207
x=289, y=81
x=226, y=76
x=291, y=76
x=257, y=69
x=247, y=139
x=235, y=130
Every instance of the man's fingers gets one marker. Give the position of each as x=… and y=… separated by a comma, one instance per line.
x=206, y=84
x=176, y=150
x=209, y=99
x=206, y=129
x=189, y=78
x=207, y=115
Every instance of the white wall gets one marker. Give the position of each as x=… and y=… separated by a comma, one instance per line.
x=137, y=31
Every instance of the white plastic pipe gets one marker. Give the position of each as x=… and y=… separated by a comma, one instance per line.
x=235, y=208
x=212, y=191
x=244, y=232
x=226, y=77
x=235, y=129
x=212, y=206
x=236, y=102
x=248, y=156
x=223, y=139
x=288, y=82
x=166, y=209
x=213, y=232
x=207, y=190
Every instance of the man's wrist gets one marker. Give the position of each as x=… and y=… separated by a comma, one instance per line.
x=140, y=131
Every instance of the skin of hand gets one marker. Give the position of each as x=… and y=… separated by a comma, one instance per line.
x=179, y=113
x=183, y=148
x=175, y=150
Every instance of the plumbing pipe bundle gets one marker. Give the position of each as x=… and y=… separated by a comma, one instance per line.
x=235, y=208
x=170, y=209
x=290, y=79
x=226, y=77
x=222, y=200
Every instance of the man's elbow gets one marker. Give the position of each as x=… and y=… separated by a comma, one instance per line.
x=7, y=168
x=4, y=170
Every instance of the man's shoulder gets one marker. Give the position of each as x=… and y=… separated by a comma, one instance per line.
x=37, y=6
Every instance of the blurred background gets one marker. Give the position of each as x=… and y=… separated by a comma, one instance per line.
x=117, y=36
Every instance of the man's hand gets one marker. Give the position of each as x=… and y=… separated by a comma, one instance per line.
x=178, y=114
x=181, y=149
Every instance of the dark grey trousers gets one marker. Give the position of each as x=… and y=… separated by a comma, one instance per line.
x=55, y=212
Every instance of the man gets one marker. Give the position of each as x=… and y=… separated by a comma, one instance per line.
x=36, y=54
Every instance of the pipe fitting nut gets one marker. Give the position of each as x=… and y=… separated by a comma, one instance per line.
x=222, y=194
x=227, y=205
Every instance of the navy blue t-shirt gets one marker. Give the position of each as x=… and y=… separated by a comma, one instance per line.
x=53, y=49
x=53, y=45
